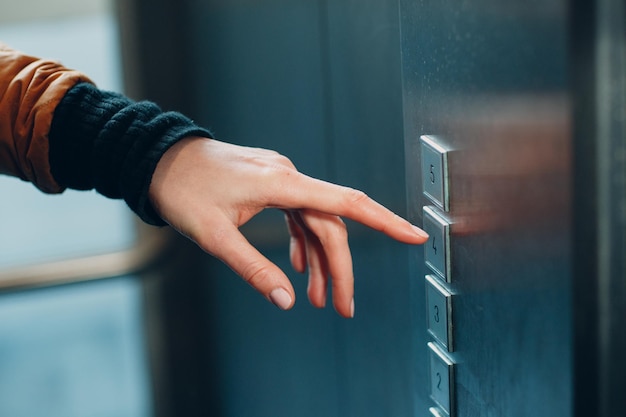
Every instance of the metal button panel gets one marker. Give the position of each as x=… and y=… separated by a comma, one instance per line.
x=435, y=171
x=439, y=304
x=437, y=249
x=439, y=299
x=441, y=379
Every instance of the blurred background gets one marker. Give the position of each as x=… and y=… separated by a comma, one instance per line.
x=103, y=316
x=184, y=336
x=77, y=349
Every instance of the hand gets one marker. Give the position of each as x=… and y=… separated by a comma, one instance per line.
x=206, y=189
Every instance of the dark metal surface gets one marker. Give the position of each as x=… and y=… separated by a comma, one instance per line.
x=598, y=57
x=490, y=80
x=319, y=82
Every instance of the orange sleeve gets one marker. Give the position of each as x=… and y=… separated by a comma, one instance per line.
x=30, y=90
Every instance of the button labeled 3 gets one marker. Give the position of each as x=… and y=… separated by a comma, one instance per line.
x=435, y=171
x=437, y=249
x=439, y=303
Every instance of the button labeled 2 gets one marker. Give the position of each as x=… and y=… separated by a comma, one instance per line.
x=437, y=248
x=439, y=304
x=441, y=379
x=435, y=171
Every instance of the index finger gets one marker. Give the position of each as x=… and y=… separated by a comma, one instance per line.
x=304, y=192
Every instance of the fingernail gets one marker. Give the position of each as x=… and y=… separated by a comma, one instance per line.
x=420, y=232
x=280, y=298
x=352, y=309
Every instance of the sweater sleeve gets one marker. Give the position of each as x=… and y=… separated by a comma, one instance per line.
x=105, y=141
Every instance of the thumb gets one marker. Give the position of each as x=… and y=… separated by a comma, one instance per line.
x=228, y=244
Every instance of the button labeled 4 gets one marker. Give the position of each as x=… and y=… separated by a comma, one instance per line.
x=437, y=249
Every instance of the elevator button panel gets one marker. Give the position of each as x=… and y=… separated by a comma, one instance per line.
x=435, y=171
x=440, y=293
x=439, y=304
x=437, y=248
x=441, y=379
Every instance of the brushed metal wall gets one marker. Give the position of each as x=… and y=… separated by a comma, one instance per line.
x=490, y=80
x=530, y=98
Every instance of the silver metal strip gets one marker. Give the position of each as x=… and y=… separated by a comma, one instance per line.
x=150, y=244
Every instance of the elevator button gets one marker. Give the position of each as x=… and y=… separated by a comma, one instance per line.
x=437, y=248
x=441, y=379
x=435, y=171
x=439, y=304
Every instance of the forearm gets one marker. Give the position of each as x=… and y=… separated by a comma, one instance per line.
x=57, y=130
x=104, y=141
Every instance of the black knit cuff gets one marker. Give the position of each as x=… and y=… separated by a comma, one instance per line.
x=104, y=141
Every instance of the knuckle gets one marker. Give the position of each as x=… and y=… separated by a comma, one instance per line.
x=353, y=199
x=337, y=232
x=276, y=159
x=354, y=196
x=279, y=169
x=340, y=230
x=284, y=161
x=257, y=274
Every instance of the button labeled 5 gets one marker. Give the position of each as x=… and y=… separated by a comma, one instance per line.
x=435, y=171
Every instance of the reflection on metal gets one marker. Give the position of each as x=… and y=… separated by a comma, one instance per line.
x=150, y=244
x=435, y=412
x=511, y=164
